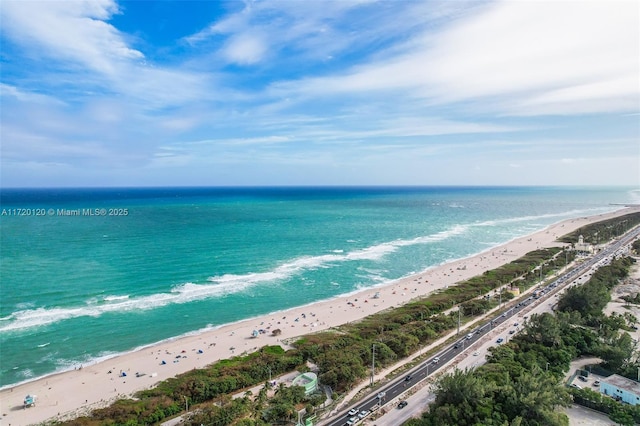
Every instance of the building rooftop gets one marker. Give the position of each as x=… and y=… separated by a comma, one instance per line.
x=623, y=383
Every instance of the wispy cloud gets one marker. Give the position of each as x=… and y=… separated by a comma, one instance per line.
x=421, y=88
x=72, y=30
x=319, y=31
x=75, y=42
x=515, y=57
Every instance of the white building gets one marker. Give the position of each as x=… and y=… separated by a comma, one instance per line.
x=581, y=246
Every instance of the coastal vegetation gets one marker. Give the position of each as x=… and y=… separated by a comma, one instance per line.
x=522, y=381
x=603, y=231
x=342, y=357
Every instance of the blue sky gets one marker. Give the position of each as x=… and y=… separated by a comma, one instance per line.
x=362, y=92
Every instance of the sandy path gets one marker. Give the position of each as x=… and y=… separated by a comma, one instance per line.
x=71, y=393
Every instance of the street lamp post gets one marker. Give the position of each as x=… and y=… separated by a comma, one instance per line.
x=373, y=363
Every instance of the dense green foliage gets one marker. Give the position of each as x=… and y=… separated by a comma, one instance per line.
x=520, y=383
x=600, y=232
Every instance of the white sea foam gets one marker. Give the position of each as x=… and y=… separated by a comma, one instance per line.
x=561, y=215
x=115, y=298
x=26, y=373
x=218, y=286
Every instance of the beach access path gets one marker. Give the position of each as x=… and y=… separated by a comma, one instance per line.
x=73, y=393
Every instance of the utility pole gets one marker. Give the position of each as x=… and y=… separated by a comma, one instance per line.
x=373, y=362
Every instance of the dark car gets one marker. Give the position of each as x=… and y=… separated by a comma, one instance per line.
x=402, y=404
x=408, y=378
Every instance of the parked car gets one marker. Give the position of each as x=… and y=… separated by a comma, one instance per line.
x=402, y=404
x=500, y=340
x=596, y=383
x=584, y=379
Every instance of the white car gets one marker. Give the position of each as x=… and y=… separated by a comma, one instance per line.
x=436, y=360
x=363, y=414
x=353, y=412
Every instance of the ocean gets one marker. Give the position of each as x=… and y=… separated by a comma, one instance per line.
x=90, y=273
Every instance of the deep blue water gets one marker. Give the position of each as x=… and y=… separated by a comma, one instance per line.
x=162, y=262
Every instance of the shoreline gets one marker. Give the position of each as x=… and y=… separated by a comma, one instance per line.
x=72, y=393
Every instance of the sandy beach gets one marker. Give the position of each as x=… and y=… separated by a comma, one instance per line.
x=69, y=394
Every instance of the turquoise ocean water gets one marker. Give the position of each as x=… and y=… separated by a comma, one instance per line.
x=86, y=274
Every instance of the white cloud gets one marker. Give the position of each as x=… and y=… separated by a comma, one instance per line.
x=74, y=30
x=7, y=90
x=84, y=51
x=516, y=57
x=421, y=90
x=245, y=49
x=318, y=30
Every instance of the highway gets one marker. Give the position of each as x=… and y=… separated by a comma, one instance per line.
x=578, y=275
